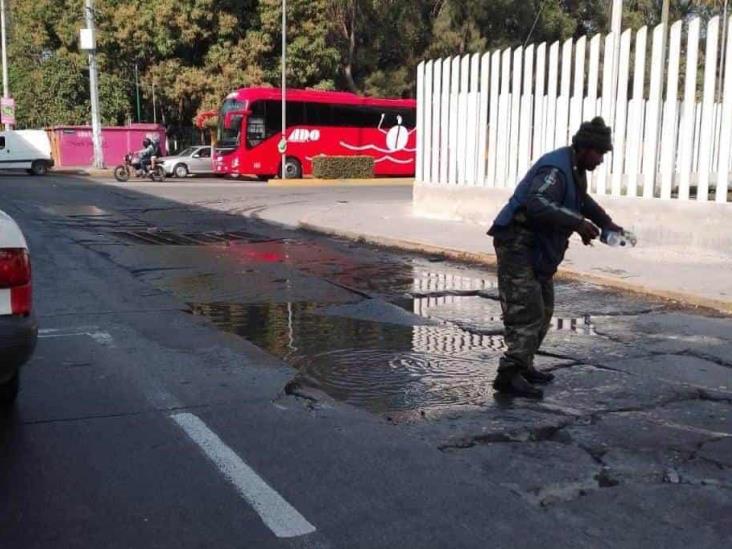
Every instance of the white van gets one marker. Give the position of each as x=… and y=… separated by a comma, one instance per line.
x=26, y=149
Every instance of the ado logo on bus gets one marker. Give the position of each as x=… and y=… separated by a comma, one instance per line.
x=302, y=135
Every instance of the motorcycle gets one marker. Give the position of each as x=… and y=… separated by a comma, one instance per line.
x=131, y=166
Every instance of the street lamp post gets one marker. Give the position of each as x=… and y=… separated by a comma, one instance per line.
x=6, y=93
x=283, y=140
x=90, y=45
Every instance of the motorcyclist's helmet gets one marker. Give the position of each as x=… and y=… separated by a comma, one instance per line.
x=146, y=142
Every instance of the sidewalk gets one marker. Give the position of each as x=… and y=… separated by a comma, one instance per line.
x=701, y=280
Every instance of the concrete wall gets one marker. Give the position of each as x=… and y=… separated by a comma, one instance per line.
x=702, y=227
x=72, y=145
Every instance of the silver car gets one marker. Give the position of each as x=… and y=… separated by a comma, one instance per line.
x=193, y=160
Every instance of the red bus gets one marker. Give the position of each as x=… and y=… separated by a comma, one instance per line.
x=318, y=123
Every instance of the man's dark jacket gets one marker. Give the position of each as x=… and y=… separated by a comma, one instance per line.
x=551, y=201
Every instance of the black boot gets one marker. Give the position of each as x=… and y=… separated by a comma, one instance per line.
x=515, y=384
x=532, y=375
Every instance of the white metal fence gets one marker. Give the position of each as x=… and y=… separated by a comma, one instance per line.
x=483, y=118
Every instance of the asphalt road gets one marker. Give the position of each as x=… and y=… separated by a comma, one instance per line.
x=140, y=424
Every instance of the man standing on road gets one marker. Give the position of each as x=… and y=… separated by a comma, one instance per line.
x=530, y=235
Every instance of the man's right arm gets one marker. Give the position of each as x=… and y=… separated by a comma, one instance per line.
x=544, y=203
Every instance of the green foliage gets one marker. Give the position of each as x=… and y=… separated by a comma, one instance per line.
x=343, y=167
x=194, y=52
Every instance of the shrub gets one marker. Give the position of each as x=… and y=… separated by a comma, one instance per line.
x=343, y=167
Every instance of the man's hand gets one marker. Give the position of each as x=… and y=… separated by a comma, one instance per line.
x=588, y=232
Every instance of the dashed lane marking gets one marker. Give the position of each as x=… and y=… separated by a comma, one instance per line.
x=275, y=512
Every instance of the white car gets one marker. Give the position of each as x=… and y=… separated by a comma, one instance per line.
x=193, y=160
x=18, y=328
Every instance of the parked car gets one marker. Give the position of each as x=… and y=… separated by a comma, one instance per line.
x=18, y=328
x=193, y=160
x=26, y=149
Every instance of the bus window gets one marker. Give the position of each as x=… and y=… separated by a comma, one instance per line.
x=265, y=119
x=255, y=131
x=317, y=114
x=229, y=125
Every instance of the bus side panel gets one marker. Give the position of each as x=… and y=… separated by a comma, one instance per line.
x=393, y=149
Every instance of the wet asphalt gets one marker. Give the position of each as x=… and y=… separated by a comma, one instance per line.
x=381, y=363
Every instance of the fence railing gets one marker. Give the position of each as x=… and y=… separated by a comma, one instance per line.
x=483, y=118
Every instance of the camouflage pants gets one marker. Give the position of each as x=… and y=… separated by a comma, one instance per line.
x=527, y=302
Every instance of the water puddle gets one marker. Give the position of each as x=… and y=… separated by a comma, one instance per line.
x=77, y=210
x=388, y=333
x=382, y=367
x=385, y=367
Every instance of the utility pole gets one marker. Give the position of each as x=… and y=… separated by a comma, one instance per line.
x=283, y=140
x=155, y=116
x=93, y=83
x=137, y=93
x=6, y=93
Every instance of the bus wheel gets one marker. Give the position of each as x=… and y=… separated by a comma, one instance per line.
x=293, y=168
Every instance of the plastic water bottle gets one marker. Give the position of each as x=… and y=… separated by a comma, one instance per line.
x=618, y=238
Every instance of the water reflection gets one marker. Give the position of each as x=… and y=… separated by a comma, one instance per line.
x=382, y=366
x=361, y=352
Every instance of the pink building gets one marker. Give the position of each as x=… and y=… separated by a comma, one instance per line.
x=72, y=145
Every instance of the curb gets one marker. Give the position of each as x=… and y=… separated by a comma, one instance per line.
x=82, y=172
x=716, y=305
x=313, y=182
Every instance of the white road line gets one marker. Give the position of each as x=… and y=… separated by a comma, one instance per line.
x=276, y=513
x=101, y=337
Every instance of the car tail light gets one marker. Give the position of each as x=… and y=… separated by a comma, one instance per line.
x=15, y=274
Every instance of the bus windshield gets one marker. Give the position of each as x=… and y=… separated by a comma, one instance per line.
x=229, y=123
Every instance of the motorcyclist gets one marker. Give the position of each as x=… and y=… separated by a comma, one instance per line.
x=145, y=155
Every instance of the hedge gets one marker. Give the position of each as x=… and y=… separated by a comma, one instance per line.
x=343, y=167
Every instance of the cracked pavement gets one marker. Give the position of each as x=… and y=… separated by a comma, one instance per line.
x=632, y=444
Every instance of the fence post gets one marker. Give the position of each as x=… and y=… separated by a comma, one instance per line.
x=436, y=120
x=494, y=118
x=575, y=106
x=462, y=117
x=454, y=124
x=650, y=142
x=515, y=116
x=524, y=143
x=707, y=124
x=686, y=133
x=420, y=124
x=445, y=120
x=472, y=125
x=725, y=137
x=504, y=128
x=562, y=119
x=635, y=119
x=427, y=143
x=485, y=62
x=551, y=99
x=537, y=148
x=621, y=111
x=606, y=105
x=668, y=133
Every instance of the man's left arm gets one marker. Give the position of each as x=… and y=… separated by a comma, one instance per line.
x=595, y=213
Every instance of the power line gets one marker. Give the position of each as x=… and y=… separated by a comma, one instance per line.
x=536, y=20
